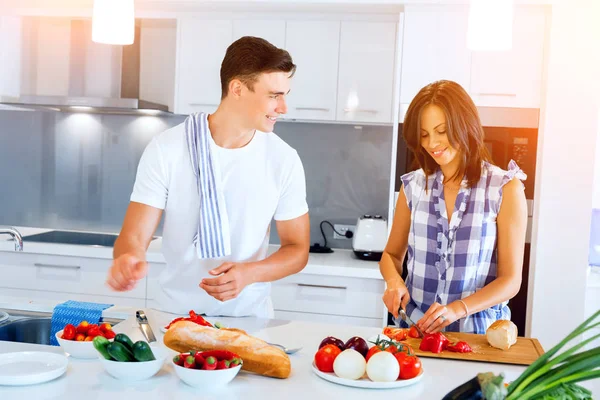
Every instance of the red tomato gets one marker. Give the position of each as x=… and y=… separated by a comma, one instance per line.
x=105, y=327
x=372, y=350
x=82, y=327
x=391, y=349
x=410, y=366
x=110, y=334
x=89, y=339
x=69, y=332
x=401, y=334
x=412, y=332
x=325, y=357
x=80, y=337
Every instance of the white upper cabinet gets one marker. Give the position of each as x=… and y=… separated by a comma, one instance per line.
x=272, y=31
x=201, y=47
x=314, y=47
x=10, y=53
x=434, y=48
x=512, y=78
x=366, y=71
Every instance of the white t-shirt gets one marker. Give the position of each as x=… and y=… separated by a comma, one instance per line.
x=261, y=181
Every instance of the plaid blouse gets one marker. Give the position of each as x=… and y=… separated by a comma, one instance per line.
x=447, y=263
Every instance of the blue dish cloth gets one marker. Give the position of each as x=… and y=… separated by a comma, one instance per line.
x=73, y=312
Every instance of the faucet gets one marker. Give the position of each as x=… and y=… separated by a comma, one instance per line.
x=16, y=236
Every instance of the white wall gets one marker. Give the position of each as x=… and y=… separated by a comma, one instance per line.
x=565, y=172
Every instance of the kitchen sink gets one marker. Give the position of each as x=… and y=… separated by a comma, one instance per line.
x=32, y=327
x=27, y=330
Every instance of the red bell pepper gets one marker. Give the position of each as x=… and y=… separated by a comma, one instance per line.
x=434, y=342
x=459, y=347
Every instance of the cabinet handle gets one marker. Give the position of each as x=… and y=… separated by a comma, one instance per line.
x=312, y=109
x=57, y=266
x=322, y=286
x=360, y=110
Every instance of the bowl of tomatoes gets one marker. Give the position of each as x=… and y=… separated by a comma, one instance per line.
x=207, y=369
x=77, y=340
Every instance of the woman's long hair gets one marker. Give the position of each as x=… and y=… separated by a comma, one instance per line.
x=463, y=128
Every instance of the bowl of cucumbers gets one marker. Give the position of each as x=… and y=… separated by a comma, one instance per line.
x=129, y=361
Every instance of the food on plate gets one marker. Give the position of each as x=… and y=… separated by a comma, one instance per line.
x=123, y=349
x=383, y=367
x=325, y=357
x=208, y=360
x=259, y=357
x=332, y=340
x=410, y=365
x=459, y=347
x=374, y=339
x=502, y=334
x=85, y=331
x=195, y=318
x=395, y=333
x=357, y=343
x=350, y=364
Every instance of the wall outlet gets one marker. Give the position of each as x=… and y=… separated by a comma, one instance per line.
x=342, y=229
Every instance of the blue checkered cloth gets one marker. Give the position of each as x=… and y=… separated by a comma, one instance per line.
x=451, y=261
x=73, y=312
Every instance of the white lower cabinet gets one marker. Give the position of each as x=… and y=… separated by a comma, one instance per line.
x=41, y=277
x=332, y=299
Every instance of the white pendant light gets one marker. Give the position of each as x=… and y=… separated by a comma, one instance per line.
x=490, y=25
x=113, y=22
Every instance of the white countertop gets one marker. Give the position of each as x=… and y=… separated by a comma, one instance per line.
x=339, y=263
x=86, y=379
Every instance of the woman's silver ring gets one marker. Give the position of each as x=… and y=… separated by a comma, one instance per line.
x=442, y=318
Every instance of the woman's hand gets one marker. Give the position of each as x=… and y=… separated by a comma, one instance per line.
x=438, y=317
x=395, y=296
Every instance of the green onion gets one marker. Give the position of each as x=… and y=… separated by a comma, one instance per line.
x=548, y=375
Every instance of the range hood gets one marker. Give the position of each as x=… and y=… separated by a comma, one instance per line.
x=89, y=87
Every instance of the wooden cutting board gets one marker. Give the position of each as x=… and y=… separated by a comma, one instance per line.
x=524, y=352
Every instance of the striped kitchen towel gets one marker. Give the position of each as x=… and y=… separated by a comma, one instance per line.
x=212, y=239
x=73, y=312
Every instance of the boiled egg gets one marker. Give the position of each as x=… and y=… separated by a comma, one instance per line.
x=350, y=364
x=383, y=367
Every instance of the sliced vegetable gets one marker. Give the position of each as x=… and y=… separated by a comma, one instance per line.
x=459, y=347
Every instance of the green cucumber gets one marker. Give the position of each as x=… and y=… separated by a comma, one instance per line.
x=124, y=340
x=100, y=343
x=119, y=352
x=142, y=351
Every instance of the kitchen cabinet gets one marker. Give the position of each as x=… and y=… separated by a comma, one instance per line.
x=10, y=52
x=201, y=46
x=314, y=47
x=434, y=47
x=272, y=30
x=331, y=299
x=366, y=71
x=48, y=277
x=512, y=78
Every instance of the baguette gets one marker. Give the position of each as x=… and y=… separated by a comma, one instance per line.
x=257, y=356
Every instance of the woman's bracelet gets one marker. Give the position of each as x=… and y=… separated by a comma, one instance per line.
x=466, y=308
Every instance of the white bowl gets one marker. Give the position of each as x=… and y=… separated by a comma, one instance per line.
x=77, y=349
x=206, y=379
x=135, y=370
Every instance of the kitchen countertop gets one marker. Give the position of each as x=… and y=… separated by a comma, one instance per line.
x=86, y=379
x=341, y=262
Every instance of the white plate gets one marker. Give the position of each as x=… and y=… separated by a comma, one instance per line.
x=163, y=329
x=365, y=382
x=31, y=367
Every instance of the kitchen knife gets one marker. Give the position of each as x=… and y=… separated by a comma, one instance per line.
x=144, y=326
x=409, y=321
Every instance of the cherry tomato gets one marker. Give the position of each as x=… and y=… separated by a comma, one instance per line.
x=82, y=327
x=325, y=357
x=413, y=333
x=69, y=332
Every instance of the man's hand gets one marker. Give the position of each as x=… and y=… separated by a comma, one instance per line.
x=234, y=278
x=125, y=271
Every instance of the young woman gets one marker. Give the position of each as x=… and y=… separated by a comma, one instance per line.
x=461, y=218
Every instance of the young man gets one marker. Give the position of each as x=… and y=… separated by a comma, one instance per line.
x=257, y=178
